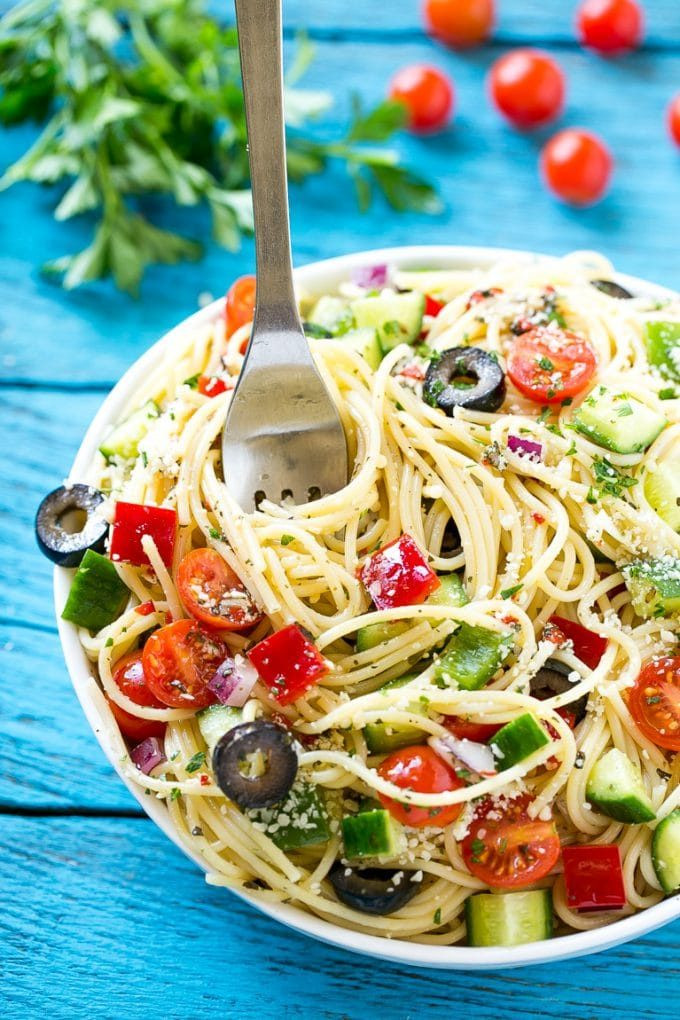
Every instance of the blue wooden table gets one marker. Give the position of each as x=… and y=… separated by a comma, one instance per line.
x=100, y=916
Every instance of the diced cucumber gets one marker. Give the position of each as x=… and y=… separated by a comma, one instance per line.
x=449, y=593
x=666, y=852
x=472, y=656
x=333, y=314
x=618, y=422
x=299, y=820
x=399, y=681
x=663, y=347
x=662, y=488
x=509, y=919
x=397, y=318
x=615, y=788
x=517, y=740
x=214, y=721
x=97, y=594
x=383, y=737
x=123, y=442
x=654, y=585
x=365, y=342
x=372, y=834
x=375, y=633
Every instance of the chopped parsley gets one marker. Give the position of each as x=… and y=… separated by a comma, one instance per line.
x=433, y=391
x=546, y=364
x=572, y=449
x=438, y=916
x=192, y=381
x=214, y=533
x=507, y=593
x=611, y=481
x=195, y=762
x=287, y=539
x=478, y=846
x=667, y=393
x=544, y=415
x=108, y=642
x=175, y=793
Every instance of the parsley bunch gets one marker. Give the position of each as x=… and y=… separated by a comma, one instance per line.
x=143, y=97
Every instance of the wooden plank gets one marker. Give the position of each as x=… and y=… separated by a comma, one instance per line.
x=488, y=178
x=49, y=757
x=105, y=918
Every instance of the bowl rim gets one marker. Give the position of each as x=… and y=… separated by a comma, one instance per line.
x=319, y=276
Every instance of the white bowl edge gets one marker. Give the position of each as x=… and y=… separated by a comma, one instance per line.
x=317, y=277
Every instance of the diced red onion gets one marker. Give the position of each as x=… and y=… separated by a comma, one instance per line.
x=525, y=447
x=370, y=277
x=147, y=755
x=233, y=681
x=478, y=757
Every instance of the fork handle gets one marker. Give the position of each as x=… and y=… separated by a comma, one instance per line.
x=260, y=46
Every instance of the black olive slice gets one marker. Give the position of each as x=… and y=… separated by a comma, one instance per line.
x=552, y=679
x=68, y=523
x=230, y=763
x=614, y=290
x=313, y=329
x=372, y=890
x=464, y=377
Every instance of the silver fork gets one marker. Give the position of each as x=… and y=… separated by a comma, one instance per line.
x=283, y=436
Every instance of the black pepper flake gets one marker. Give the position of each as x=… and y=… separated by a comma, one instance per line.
x=579, y=760
x=662, y=774
x=197, y=831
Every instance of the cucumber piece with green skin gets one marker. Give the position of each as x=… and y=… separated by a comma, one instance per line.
x=654, y=585
x=97, y=594
x=517, y=740
x=123, y=442
x=216, y=720
x=618, y=422
x=472, y=656
x=399, y=681
x=372, y=834
x=333, y=314
x=383, y=737
x=663, y=347
x=300, y=819
x=365, y=342
x=397, y=318
x=449, y=593
x=509, y=919
x=615, y=788
x=662, y=488
x=666, y=852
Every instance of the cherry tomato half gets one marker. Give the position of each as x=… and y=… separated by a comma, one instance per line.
x=179, y=662
x=212, y=593
x=426, y=93
x=419, y=768
x=505, y=848
x=654, y=702
x=549, y=364
x=460, y=23
x=240, y=303
x=128, y=675
x=610, y=27
x=481, y=733
x=674, y=119
x=577, y=166
x=212, y=385
x=527, y=86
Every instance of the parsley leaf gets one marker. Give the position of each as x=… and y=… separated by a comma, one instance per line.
x=195, y=762
x=507, y=593
x=611, y=481
x=287, y=539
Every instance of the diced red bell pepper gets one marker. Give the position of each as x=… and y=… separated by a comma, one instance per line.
x=132, y=521
x=146, y=608
x=289, y=663
x=593, y=877
x=398, y=575
x=588, y=647
x=212, y=385
x=432, y=306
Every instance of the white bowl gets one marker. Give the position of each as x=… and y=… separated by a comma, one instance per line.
x=320, y=277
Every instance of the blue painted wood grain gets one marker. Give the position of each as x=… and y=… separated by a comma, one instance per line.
x=101, y=916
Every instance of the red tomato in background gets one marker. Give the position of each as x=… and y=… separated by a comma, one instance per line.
x=577, y=166
x=128, y=676
x=212, y=593
x=240, y=303
x=460, y=23
x=427, y=94
x=610, y=27
x=419, y=768
x=512, y=849
x=528, y=87
x=654, y=702
x=549, y=364
x=179, y=662
x=481, y=733
x=674, y=119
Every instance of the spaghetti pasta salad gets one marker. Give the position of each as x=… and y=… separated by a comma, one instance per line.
x=442, y=703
